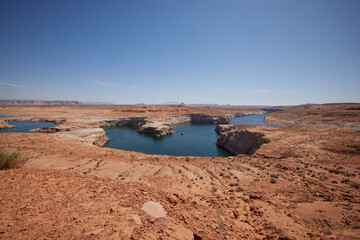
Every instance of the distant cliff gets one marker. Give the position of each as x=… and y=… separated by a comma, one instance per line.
x=30, y=102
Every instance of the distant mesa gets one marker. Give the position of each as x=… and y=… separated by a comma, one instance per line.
x=96, y=103
x=34, y=102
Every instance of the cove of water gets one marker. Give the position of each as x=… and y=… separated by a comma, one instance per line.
x=197, y=140
x=25, y=126
x=251, y=120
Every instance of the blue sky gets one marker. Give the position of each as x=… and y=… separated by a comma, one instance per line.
x=253, y=52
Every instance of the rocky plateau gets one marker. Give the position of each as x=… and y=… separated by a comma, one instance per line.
x=300, y=181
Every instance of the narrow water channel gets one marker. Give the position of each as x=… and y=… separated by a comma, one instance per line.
x=25, y=126
x=251, y=120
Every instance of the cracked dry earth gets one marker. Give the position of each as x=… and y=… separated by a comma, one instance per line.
x=302, y=184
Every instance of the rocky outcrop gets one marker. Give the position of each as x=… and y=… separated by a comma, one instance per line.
x=5, y=125
x=93, y=136
x=46, y=130
x=221, y=128
x=156, y=129
x=241, y=142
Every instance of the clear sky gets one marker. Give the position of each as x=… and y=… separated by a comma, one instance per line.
x=267, y=52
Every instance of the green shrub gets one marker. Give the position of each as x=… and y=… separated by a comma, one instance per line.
x=11, y=159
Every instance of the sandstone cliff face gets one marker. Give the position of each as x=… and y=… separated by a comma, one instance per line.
x=200, y=118
x=156, y=129
x=124, y=121
x=243, y=142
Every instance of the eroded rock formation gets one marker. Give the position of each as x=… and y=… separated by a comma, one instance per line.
x=156, y=129
x=241, y=142
x=93, y=136
x=224, y=128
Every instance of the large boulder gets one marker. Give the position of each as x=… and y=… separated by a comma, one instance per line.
x=157, y=214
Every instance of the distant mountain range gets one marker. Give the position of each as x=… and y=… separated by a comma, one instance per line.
x=36, y=102
x=96, y=103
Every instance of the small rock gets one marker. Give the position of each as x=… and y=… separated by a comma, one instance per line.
x=137, y=219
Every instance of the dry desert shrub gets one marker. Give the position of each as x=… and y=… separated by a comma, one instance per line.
x=11, y=159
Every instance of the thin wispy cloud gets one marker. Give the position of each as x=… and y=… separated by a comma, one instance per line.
x=218, y=89
x=114, y=85
x=276, y=90
x=264, y=90
x=260, y=91
x=279, y=90
x=11, y=84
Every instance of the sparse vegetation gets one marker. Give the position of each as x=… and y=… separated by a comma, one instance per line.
x=357, y=147
x=220, y=211
x=334, y=171
x=11, y=159
x=355, y=225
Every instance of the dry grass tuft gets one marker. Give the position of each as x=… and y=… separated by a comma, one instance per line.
x=11, y=159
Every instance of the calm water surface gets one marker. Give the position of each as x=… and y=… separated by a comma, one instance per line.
x=25, y=126
x=197, y=140
x=251, y=120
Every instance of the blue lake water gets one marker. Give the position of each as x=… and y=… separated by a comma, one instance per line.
x=25, y=126
x=197, y=140
x=251, y=120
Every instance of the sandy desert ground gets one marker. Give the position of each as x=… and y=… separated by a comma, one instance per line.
x=302, y=183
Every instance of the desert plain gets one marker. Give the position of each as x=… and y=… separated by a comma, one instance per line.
x=300, y=182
